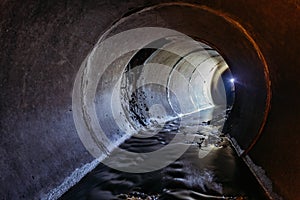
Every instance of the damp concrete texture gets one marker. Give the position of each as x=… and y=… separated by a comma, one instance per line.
x=44, y=43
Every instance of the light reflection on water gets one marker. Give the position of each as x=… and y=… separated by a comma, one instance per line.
x=209, y=169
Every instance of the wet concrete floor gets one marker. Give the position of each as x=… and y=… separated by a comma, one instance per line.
x=209, y=169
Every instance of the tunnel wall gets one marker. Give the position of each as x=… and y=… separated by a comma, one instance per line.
x=43, y=45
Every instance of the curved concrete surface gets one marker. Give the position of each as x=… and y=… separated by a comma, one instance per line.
x=45, y=43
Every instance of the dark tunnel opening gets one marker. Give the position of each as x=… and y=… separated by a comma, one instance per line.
x=209, y=72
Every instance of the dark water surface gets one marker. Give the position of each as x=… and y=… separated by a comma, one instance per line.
x=209, y=169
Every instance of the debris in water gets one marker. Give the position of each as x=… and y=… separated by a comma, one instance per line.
x=138, y=196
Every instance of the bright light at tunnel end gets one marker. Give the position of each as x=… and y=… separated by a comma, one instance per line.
x=232, y=80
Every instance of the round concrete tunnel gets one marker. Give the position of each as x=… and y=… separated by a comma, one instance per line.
x=168, y=78
x=44, y=45
x=183, y=56
x=194, y=72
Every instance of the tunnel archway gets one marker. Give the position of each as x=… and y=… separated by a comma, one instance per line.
x=183, y=77
x=196, y=71
x=246, y=61
x=248, y=66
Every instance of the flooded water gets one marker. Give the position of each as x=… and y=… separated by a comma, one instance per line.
x=209, y=169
